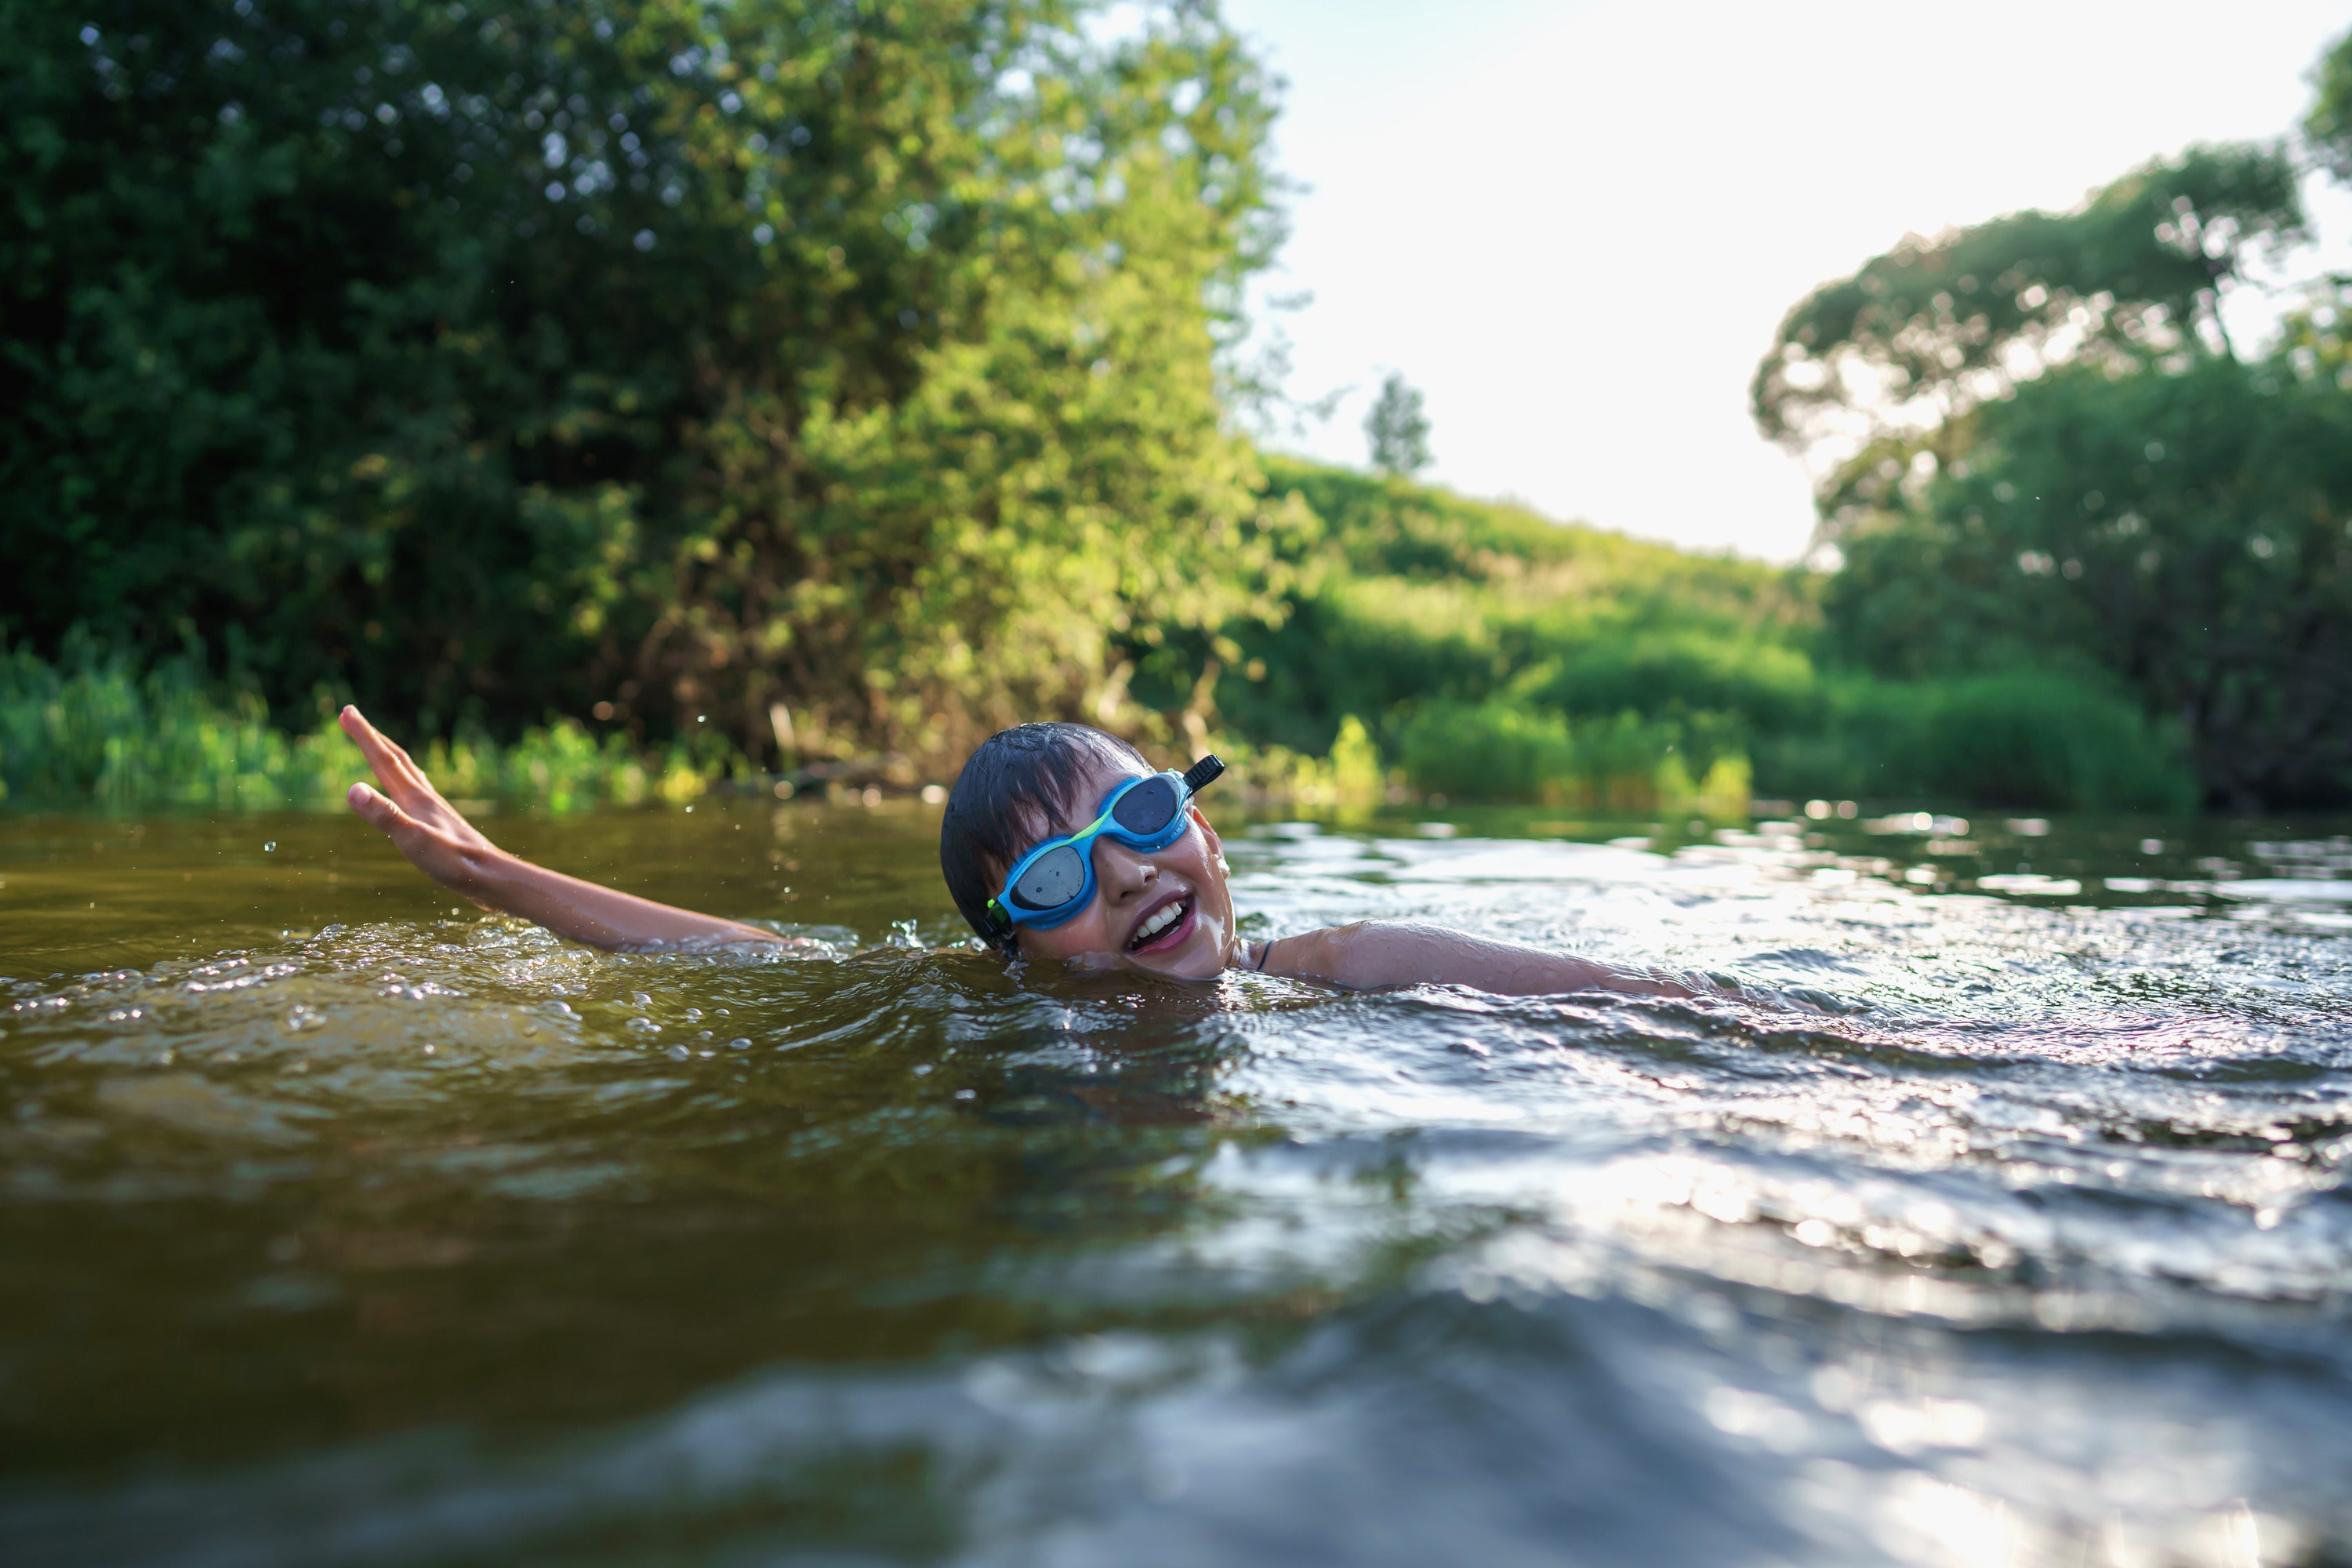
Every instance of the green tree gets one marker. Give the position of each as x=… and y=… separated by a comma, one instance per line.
x=2185, y=535
x=681, y=358
x=1397, y=429
x=2328, y=126
x=2038, y=449
x=1870, y=372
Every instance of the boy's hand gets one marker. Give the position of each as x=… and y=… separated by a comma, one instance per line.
x=422, y=825
x=445, y=847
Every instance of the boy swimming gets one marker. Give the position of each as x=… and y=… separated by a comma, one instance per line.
x=1061, y=844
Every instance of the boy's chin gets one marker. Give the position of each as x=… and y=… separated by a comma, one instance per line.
x=1181, y=966
x=1198, y=959
x=1202, y=957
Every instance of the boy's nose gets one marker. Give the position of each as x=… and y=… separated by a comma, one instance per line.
x=1123, y=873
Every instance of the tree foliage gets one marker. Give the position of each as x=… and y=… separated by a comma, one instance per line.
x=2038, y=449
x=2188, y=535
x=1396, y=429
x=2328, y=126
x=1866, y=370
x=855, y=357
x=2058, y=740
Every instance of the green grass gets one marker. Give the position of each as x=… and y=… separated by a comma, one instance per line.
x=1492, y=653
x=96, y=731
x=2038, y=738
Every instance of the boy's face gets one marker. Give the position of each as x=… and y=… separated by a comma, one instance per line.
x=1134, y=888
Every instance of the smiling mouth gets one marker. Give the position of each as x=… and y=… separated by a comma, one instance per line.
x=1157, y=927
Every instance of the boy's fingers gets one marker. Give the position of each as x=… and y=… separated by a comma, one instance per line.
x=391, y=763
x=355, y=722
x=378, y=810
x=371, y=743
x=368, y=804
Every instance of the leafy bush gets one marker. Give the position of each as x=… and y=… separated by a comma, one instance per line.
x=679, y=358
x=1404, y=595
x=2014, y=738
x=2178, y=535
x=1350, y=781
x=1502, y=751
x=1493, y=750
x=1769, y=685
x=95, y=731
x=101, y=734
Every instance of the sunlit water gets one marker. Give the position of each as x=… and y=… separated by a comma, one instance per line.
x=339, y=1226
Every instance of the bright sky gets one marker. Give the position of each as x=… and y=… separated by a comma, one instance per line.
x=1575, y=225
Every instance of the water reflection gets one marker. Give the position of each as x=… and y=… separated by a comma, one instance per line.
x=1978, y=1226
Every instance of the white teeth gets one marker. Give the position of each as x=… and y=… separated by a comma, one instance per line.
x=1159, y=922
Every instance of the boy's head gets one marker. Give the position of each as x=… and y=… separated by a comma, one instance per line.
x=1165, y=910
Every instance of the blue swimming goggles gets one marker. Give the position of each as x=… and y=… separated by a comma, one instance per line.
x=1053, y=884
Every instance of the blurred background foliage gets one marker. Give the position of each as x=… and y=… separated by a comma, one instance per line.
x=684, y=359
x=2040, y=450
x=630, y=396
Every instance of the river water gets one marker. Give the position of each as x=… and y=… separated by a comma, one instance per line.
x=2001, y=1221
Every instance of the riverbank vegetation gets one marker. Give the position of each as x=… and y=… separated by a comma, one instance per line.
x=94, y=730
x=2039, y=448
x=629, y=399
x=1488, y=651
x=1418, y=643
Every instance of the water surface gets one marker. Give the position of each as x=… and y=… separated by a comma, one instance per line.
x=2001, y=1221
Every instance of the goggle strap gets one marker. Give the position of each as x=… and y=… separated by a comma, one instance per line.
x=1202, y=774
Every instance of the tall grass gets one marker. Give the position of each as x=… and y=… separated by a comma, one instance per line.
x=1493, y=654
x=94, y=730
x=2023, y=737
x=1499, y=748
x=2043, y=738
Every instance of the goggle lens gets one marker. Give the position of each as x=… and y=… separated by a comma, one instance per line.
x=1053, y=879
x=1148, y=808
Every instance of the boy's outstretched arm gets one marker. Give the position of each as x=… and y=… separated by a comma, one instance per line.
x=446, y=848
x=1375, y=955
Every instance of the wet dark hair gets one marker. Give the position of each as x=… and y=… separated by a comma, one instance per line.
x=1012, y=791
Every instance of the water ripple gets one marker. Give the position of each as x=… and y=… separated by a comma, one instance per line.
x=1993, y=1210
